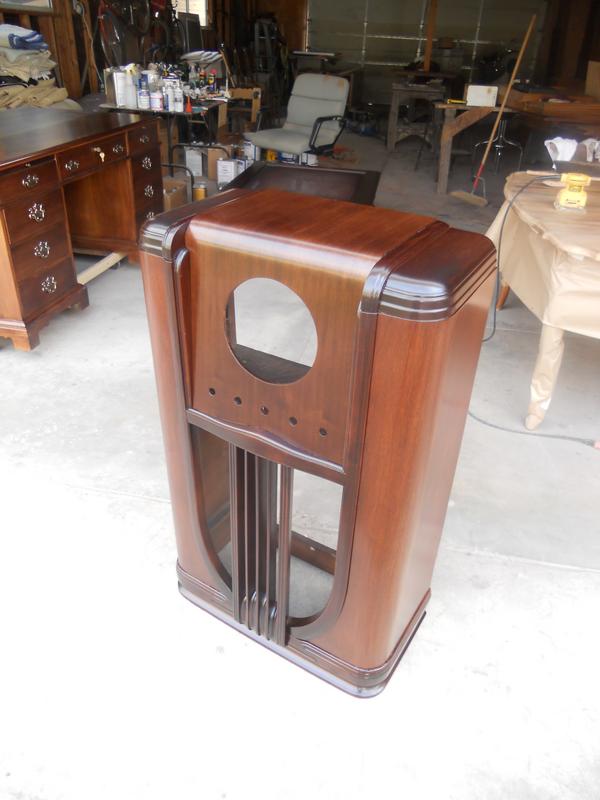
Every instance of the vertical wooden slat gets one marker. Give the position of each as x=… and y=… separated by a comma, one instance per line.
x=246, y=537
x=430, y=30
x=66, y=50
x=283, y=559
x=257, y=543
x=235, y=488
x=270, y=541
x=87, y=29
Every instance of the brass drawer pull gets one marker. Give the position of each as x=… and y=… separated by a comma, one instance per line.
x=144, y=138
x=37, y=212
x=100, y=152
x=147, y=162
x=149, y=191
x=118, y=149
x=150, y=215
x=49, y=284
x=72, y=165
x=30, y=180
x=42, y=249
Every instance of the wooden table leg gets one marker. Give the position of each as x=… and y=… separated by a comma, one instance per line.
x=502, y=295
x=445, y=150
x=221, y=121
x=393, y=121
x=545, y=374
x=452, y=126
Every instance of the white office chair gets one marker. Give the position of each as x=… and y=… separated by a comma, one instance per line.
x=315, y=117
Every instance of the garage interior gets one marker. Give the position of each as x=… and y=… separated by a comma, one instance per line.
x=114, y=685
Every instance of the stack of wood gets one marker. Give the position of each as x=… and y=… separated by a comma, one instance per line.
x=45, y=94
x=577, y=109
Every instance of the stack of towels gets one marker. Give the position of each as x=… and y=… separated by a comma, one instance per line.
x=24, y=54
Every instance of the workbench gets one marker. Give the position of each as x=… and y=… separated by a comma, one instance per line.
x=68, y=180
x=452, y=126
x=405, y=94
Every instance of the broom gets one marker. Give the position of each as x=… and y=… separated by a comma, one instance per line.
x=471, y=197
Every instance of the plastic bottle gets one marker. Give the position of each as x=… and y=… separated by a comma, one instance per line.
x=178, y=98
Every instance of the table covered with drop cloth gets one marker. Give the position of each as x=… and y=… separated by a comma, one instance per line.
x=550, y=258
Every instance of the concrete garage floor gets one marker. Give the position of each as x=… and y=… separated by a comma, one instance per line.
x=113, y=686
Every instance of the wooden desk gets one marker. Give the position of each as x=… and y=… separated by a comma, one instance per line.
x=452, y=126
x=68, y=180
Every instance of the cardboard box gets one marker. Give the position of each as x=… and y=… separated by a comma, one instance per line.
x=214, y=154
x=481, y=95
x=195, y=161
x=175, y=192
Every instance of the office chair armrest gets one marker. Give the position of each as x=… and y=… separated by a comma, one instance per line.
x=317, y=127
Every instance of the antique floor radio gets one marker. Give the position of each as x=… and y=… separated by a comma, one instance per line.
x=376, y=407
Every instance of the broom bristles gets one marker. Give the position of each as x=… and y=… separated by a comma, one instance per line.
x=469, y=197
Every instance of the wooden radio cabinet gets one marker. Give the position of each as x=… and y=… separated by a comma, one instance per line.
x=67, y=180
x=398, y=303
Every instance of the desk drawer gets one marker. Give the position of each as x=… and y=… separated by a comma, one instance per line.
x=88, y=157
x=39, y=291
x=142, y=138
x=147, y=187
x=37, y=212
x=145, y=163
x=42, y=251
x=38, y=177
x=154, y=207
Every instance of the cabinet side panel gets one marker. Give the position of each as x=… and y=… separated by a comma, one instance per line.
x=421, y=386
x=162, y=320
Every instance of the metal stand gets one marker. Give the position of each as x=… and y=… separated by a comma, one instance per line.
x=499, y=142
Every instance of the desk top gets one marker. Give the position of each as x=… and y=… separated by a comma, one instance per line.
x=28, y=133
x=573, y=232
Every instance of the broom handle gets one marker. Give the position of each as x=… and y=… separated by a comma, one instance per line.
x=505, y=100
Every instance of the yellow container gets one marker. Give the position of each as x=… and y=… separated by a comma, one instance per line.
x=199, y=191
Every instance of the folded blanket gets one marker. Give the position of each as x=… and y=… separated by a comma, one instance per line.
x=41, y=96
x=18, y=38
x=24, y=64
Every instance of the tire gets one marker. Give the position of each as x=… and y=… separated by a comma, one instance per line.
x=113, y=34
x=141, y=16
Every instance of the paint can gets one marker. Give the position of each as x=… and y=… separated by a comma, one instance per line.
x=288, y=158
x=271, y=155
x=309, y=159
x=250, y=151
x=199, y=191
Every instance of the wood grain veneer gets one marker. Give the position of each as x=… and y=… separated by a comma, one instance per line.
x=399, y=302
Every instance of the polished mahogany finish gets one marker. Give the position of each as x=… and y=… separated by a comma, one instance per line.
x=67, y=179
x=399, y=303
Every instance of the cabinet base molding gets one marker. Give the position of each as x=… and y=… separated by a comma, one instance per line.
x=25, y=335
